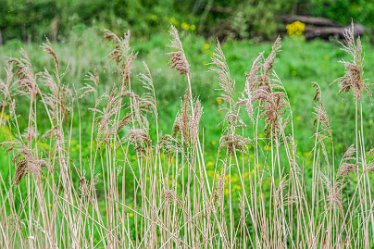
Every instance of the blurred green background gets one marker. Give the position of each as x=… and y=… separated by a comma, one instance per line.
x=34, y=19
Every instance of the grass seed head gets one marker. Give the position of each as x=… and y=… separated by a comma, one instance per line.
x=178, y=59
x=234, y=142
x=353, y=77
x=25, y=74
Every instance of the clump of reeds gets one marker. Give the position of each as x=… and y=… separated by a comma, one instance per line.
x=140, y=188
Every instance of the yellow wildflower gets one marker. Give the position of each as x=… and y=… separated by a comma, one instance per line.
x=42, y=145
x=210, y=173
x=308, y=154
x=185, y=26
x=173, y=21
x=228, y=178
x=235, y=178
x=267, y=148
x=219, y=100
x=3, y=118
x=193, y=27
x=296, y=28
x=237, y=187
x=326, y=57
x=5, y=133
x=154, y=18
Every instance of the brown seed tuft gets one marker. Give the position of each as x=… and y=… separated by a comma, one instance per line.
x=178, y=59
x=317, y=94
x=49, y=50
x=346, y=168
x=169, y=144
x=140, y=139
x=195, y=120
x=25, y=74
x=353, y=77
x=234, y=142
x=269, y=62
x=220, y=67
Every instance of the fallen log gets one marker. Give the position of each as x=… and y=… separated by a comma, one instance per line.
x=323, y=28
x=327, y=32
x=310, y=20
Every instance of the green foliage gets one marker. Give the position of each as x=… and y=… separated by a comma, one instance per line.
x=34, y=20
x=255, y=18
x=344, y=11
x=25, y=19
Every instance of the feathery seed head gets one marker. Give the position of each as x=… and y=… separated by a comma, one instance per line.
x=25, y=74
x=140, y=139
x=269, y=62
x=234, y=142
x=47, y=47
x=195, y=120
x=353, y=77
x=178, y=59
x=169, y=144
x=317, y=95
x=226, y=83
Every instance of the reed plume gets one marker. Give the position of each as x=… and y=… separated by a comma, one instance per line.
x=178, y=59
x=220, y=67
x=353, y=77
x=25, y=74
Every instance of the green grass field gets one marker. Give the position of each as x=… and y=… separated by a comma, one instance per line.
x=276, y=190
x=298, y=65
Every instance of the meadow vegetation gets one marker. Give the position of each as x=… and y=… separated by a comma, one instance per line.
x=153, y=143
